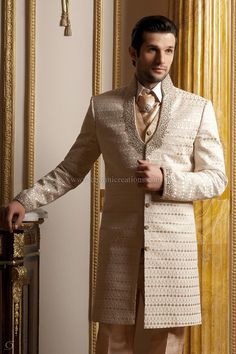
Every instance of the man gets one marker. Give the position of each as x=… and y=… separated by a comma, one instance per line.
x=162, y=151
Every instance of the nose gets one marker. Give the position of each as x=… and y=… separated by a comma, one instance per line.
x=160, y=58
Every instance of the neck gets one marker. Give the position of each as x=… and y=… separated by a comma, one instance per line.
x=148, y=85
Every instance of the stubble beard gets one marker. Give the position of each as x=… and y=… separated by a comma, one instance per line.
x=151, y=79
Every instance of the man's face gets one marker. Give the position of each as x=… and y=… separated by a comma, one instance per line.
x=155, y=57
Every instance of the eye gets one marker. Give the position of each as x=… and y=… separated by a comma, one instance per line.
x=152, y=49
x=169, y=51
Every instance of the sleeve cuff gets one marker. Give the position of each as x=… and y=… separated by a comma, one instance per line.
x=167, y=190
x=24, y=201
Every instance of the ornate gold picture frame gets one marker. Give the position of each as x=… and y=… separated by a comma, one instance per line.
x=95, y=173
x=30, y=93
x=8, y=99
x=8, y=68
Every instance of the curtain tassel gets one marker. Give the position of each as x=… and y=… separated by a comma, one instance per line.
x=68, y=30
x=65, y=20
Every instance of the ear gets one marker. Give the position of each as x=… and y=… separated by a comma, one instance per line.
x=133, y=55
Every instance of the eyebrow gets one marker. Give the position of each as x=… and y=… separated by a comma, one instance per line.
x=155, y=46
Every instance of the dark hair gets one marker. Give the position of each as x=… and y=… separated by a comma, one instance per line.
x=151, y=24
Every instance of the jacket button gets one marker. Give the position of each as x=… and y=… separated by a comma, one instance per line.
x=147, y=205
x=149, y=132
x=146, y=227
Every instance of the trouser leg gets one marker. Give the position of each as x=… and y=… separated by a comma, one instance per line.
x=166, y=341
x=115, y=339
x=119, y=339
x=159, y=340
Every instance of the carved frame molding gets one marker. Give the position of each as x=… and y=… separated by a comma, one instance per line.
x=117, y=45
x=30, y=94
x=95, y=173
x=8, y=91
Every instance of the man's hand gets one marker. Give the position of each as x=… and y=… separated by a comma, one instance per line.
x=12, y=216
x=149, y=176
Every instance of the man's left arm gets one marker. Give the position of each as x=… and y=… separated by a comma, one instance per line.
x=208, y=179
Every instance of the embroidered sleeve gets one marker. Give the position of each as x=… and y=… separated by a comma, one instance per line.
x=69, y=173
x=208, y=179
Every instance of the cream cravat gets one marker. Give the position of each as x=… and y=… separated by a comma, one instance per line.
x=146, y=122
x=147, y=103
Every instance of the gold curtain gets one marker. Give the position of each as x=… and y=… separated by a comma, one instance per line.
x=202, y=66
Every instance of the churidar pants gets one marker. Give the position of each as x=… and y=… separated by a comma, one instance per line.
x=133, y=339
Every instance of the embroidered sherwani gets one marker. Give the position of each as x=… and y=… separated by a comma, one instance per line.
x=187, y=147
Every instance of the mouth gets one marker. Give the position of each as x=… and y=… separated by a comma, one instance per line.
x=158, y=69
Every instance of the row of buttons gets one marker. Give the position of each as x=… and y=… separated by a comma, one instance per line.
x=147, y=205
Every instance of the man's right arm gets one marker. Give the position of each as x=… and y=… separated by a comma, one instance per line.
x=66, y=176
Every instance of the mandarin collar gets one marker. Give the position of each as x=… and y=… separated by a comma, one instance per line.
x=156, y=90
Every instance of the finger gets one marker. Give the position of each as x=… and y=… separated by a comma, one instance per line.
x=19, y=220
x=145, y=162
x=9, y=219
x=142, y=168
